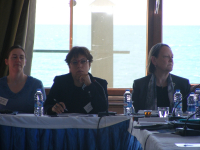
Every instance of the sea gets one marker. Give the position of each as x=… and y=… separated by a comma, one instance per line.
x=128, y=65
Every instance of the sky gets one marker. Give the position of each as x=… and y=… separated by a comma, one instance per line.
x=125, y=12
x=57, y=12
x=181, y=12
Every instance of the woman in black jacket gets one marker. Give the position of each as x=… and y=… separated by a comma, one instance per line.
x=157, y=89
x=77, y=91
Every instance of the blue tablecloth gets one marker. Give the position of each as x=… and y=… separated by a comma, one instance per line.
x=115, y=137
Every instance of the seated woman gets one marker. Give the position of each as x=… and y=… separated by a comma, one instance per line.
x=158, y=88
x=77, y=91
x=17, y=89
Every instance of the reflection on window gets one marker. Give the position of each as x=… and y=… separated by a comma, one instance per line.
x=181, y=31
x=51, y=33
x=115, y=34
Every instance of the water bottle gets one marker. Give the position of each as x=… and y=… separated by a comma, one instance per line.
x=128, y=107
x=197, y=93
x=38, y=103
x=191, y=105
x=178, y=99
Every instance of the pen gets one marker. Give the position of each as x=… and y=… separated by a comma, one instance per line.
x=60, y=104
x=188, y=145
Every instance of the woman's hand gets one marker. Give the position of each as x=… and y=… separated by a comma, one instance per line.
x=59, y=108
x=85, y=78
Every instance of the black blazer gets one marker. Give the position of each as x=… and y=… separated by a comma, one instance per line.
x=140, y=87
x=63, y=90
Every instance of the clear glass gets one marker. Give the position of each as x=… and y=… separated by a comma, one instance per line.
x=46, y=66
x=115, y=34
x=181, y=31
x=51, y=33
x=163, y=112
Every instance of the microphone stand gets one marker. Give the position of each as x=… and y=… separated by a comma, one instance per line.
x=101, y=114
x=185, y=126
x=174, y=117
x=185, y=131
x=173, y=112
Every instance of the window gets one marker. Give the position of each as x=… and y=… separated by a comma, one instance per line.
x=51, y=33
x=181, y=31
x=115, y=34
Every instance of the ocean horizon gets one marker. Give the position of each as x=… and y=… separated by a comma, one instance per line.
x=183, y=40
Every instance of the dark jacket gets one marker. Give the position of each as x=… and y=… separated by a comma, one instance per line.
x=140, y=88
x=64, y=90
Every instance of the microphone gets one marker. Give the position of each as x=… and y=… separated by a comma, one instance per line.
x=186, y=131
x=173, y=112
x=101, y=114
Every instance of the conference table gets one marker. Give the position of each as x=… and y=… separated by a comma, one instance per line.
x=162, y=139
x=67, y=132
x=87, y=132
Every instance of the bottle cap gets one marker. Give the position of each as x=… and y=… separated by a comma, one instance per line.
x=197, y=89
x=38, y=89
x=127, y=90
x=177, y=90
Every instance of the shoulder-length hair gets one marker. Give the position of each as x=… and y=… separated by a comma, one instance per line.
x=154, y=51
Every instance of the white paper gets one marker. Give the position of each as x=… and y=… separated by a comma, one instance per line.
x=187, y=144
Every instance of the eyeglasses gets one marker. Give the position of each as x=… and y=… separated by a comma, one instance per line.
x=82, y=61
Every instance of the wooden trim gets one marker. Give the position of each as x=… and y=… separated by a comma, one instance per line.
x=117, y=91
x=115, y=98
x=71, y=25
x=113, y=93
x=154, y=26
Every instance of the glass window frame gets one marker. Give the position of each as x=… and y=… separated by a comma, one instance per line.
x=153, y=31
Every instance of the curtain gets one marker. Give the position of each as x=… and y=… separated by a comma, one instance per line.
x=17, y=27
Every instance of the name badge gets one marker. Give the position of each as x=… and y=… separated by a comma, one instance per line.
x=88, y=107
x=3, y=100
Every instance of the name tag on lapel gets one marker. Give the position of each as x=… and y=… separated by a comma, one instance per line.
x=88, y=107
x=3, y=100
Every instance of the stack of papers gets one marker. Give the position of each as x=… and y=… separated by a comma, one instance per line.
x=153, y=119
x=76, y=115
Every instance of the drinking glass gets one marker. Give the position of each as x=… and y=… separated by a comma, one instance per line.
x=163, y=112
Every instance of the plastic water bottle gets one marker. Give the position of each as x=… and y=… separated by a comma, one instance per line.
x=178, y=99
x=191, y=104
x=128, y=107
x=38, y=103
x=197, y=94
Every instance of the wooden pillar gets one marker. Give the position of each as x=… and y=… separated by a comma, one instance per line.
x=154, y=26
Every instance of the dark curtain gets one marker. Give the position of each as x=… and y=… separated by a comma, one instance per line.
x=17, y=25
